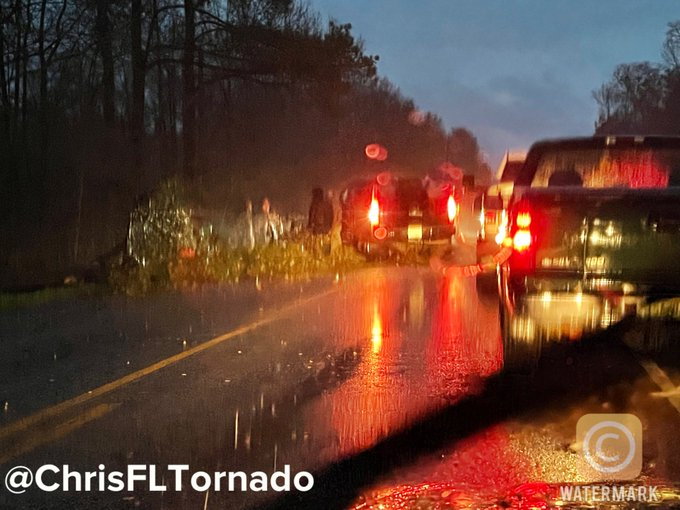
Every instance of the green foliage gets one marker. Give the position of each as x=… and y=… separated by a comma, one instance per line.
x=16, y=300
x=167, y=249
x=288, y=260
x=222, y=265
x=131, y=279
x=302, y=257
x=160, y=228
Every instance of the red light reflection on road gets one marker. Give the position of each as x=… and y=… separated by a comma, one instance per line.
x=465, y=344
x=376, y=331
x=483, y=471
x=422, y=346
x=386, y=392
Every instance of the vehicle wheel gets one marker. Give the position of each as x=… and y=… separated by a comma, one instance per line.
x=519, y=356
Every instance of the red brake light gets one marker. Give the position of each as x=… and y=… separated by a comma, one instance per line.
x=522, y=235
x=521, y=241
x=523, y=220
x=374, y=211
x=451, y=208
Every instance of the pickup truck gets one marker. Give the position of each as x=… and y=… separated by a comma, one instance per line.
x=398, y=213
x=593, y=237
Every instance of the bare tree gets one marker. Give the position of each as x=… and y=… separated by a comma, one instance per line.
x=189, y=89
x=138, y=86
x=105, y=47
x=4, y=88
x=671, y=46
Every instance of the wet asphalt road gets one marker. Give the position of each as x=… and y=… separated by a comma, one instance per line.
x=383, y=383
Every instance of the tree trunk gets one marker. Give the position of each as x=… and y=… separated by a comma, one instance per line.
x=24, y=70
x=159, y=125
x=172, y=112
x=4, y=100
x=17, y=66
x=27, y=152
x=138, y=85
x=189, y=91
x=44, y=133
x=105, y=47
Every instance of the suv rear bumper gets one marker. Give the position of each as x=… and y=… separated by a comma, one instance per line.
x=416, y=234
x=555, y=309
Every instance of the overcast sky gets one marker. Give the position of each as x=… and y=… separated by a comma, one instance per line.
x=512, y=71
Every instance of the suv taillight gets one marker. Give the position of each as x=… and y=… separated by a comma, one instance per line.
x=521, y=241
x=522, y=236
x=374, y=211
x=451, y=208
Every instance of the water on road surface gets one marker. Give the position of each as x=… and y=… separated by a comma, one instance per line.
x=372, y=386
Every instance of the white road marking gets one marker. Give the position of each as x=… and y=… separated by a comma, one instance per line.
x=668, y=390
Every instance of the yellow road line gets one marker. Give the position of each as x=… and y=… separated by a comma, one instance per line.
x=23, y=424
x=41, y=436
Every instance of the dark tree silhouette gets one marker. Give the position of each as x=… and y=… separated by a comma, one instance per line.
x=102, y=99
x=643, y=97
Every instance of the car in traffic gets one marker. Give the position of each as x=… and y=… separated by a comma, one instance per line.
x=391, y=213
x=594, y=237
x=493, y=203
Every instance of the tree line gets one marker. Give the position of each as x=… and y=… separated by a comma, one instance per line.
x=100, y=100
x=643, y=97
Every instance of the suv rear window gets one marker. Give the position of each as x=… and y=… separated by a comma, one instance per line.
x=411, y=190
x=591, y=166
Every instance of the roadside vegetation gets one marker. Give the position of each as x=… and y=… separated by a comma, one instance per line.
x=11, y=300
x=290, y=259
x=168, y=247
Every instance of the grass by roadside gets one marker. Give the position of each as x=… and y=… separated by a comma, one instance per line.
x=289, y=260
x=12, y=300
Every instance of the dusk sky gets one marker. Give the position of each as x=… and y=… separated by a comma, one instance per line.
x=512, y=71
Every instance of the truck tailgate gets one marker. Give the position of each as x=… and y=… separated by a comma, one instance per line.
x=624, y=235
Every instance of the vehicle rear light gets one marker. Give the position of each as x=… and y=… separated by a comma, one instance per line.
x=374, y=211
x=522, y=237
x=451, y=208
x=380, y=233
x=521, y=241
x=523, y=220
